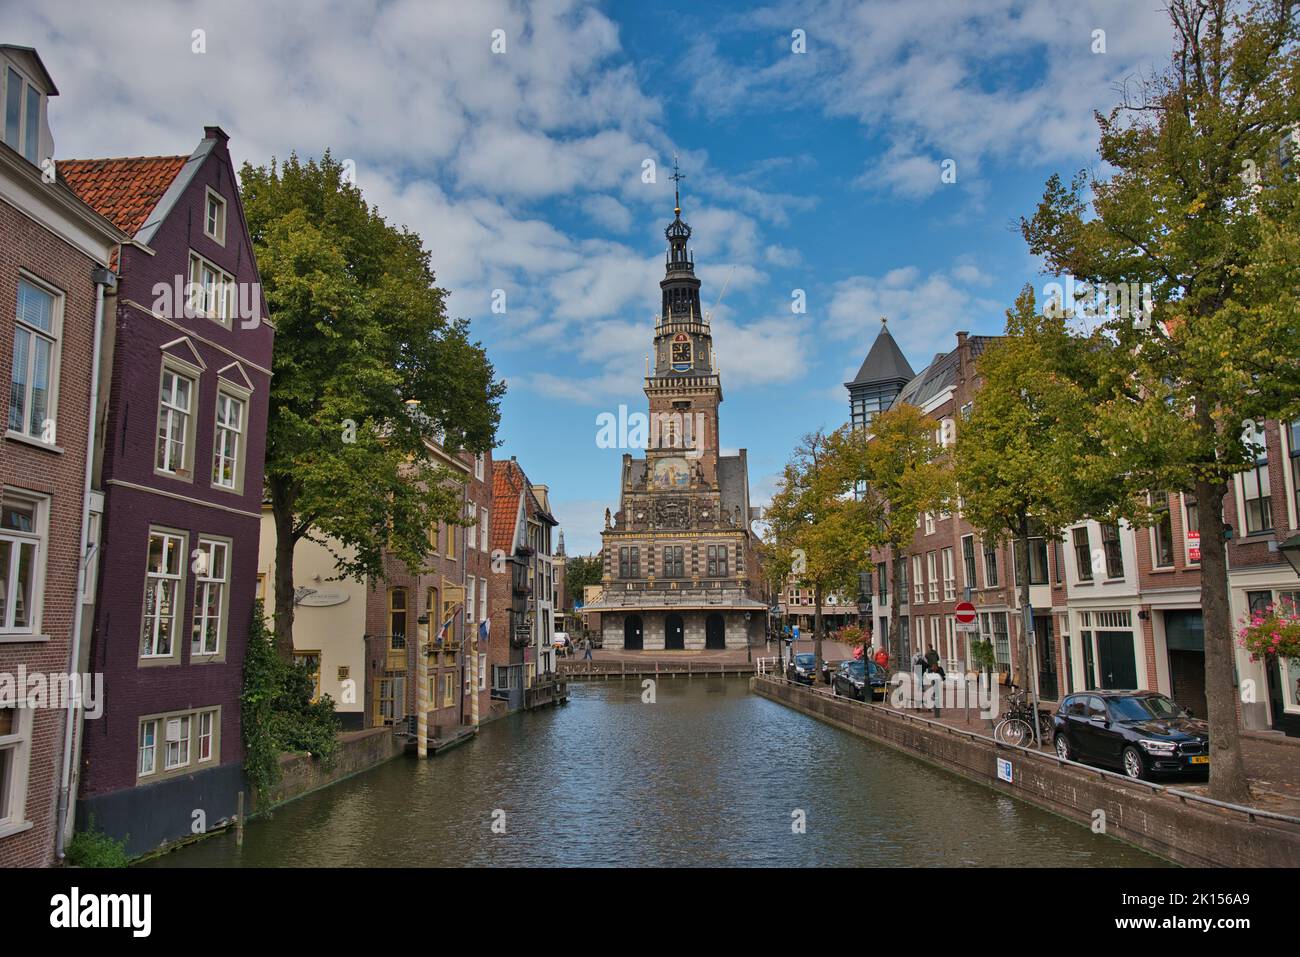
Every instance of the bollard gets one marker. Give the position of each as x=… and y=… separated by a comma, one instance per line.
x=239, y=822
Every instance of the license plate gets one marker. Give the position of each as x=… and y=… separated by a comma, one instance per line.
x=1199, y=759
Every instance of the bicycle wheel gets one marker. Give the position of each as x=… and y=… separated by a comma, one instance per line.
x=1014, y=731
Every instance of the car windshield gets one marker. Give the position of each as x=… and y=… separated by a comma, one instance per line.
x=854, y=669
x=805, y=661
x=1143, y=708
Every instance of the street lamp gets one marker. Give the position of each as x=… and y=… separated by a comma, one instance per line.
x=1290, y=550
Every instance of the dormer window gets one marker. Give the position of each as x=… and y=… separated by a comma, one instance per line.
x=214, y=217
x=22, y=115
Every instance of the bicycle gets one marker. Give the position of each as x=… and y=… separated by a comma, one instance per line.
x=1014, y=727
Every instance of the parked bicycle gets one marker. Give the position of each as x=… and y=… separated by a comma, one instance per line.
x=1015, y=727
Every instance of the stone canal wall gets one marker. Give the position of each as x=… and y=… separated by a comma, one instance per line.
x=358, y=751
x=1148, y=816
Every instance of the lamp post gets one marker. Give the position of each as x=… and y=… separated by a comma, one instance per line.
x=749, y=654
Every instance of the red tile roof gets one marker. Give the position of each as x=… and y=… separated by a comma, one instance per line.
x=507, y=483
x=124, y=190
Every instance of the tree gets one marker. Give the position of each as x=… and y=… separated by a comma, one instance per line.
x=1027, y=461
x=813, y=529
x=368, y=371
x=580, y=572
x=900, y=471
x=1197, y=208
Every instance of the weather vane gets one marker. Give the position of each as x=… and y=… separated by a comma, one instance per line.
x=677, y=178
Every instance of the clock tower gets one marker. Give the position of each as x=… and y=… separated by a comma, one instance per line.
x=680, y=567
x=684, y=390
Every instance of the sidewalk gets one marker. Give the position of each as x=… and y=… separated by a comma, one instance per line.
x=1272, y=760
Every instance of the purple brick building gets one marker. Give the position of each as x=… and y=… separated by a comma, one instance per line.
x=187, y=370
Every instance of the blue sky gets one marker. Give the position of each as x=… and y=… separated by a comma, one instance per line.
x=522, y=170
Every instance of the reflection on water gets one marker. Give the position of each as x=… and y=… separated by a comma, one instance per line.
x=708, y=775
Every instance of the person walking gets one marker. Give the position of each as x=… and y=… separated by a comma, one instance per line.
x=586, y=648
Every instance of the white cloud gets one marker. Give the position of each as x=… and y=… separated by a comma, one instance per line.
x=923, y=309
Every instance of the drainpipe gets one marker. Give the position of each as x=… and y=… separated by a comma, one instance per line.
x=102, y=278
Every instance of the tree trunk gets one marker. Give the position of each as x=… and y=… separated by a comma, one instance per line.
x=1026, y=621
x=285, y=540
x=817, y=631
x=1227, y=771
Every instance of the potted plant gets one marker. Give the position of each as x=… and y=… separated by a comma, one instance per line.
x=1272, y=633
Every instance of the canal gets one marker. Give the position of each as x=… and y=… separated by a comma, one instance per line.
x=709, y=774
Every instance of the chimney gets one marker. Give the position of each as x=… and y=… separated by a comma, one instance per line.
x=215, y=133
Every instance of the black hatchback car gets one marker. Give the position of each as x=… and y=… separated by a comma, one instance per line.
x=802, y=668
x=848, y=680
x=1141, y=733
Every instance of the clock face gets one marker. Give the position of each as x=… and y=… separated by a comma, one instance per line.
x=681, y=352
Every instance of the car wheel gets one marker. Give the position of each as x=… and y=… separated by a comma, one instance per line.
x=1062, y=748
x=1133, y=765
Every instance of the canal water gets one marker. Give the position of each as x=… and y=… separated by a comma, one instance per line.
x=708, y=774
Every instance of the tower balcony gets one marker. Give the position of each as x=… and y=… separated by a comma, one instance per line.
x=677, y=383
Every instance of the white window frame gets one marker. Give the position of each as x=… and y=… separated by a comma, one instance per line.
x=483, y=529
x=918, y=581
x=213, y=300
x=170, y=410
x=482, y=599
x=40, y=538
x=470, y=606
x=140, y=748
x=1260, y=466
x=929, y=523
x=207, y=579
x=949, y=574
x=209, y=196
x=479, y=461
x=932, y=570
x=179, y=544
x=23, y=146
x=222, y=430
x=213, y=716
x=47, y=434
x=18, y=744
x=183, y=742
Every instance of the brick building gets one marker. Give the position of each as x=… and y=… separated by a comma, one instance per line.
x=54, y=257
x=187, y=365
x=520, y=589
x=448, y=591
x=1114, y=606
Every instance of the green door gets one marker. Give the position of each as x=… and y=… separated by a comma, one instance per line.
x=1115, y=657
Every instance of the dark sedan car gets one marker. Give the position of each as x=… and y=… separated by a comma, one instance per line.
x=1141, y=733
x=802, y=668
x=848, y=680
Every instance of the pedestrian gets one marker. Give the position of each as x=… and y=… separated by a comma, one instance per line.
x=882, y=658
x=586, y=649
x=931, y=659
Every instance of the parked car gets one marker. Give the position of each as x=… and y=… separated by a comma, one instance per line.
x=802, y=668
x=849, y=680
x=1141, y=733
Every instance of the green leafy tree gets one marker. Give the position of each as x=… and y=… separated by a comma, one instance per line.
x=1196, y=205
x=1027, y=461
x=899, y=471
x=813, y=528
x=368, y=372
x=580, y=572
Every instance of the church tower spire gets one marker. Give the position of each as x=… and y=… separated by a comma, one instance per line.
x=684, y=381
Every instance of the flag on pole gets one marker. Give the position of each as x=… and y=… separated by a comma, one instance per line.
x=442, y=632
x=484, y=629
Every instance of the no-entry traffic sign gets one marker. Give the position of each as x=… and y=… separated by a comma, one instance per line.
x=965, y=613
